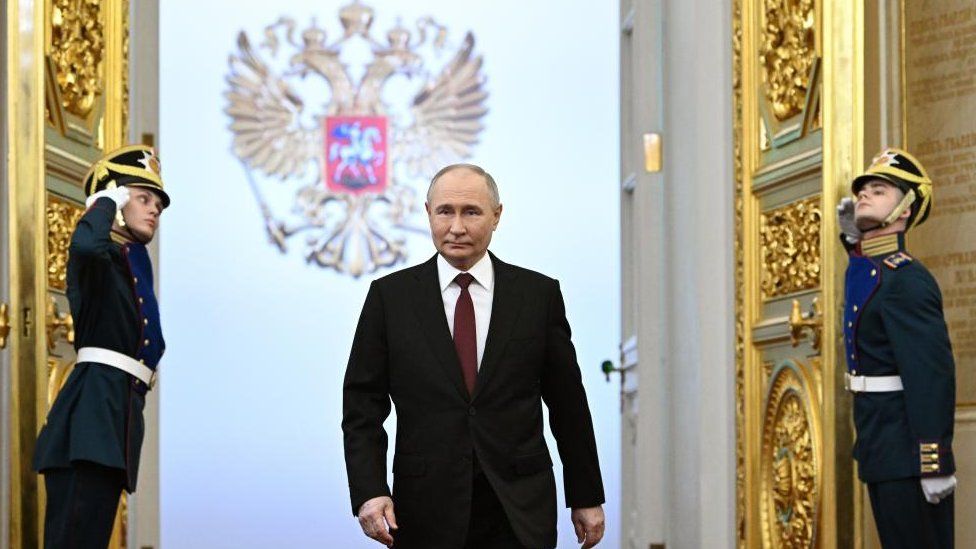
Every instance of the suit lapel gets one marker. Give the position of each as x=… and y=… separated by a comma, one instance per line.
x=505, y=309
x=429, y=308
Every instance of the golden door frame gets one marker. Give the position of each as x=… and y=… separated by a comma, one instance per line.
x=794, y=151
x=66, y=68
x=867, y=95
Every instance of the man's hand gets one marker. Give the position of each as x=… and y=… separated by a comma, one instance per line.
x=119, y=195
x=377, y=519
x=938, y=488
x=589, y=523
x=845, y=219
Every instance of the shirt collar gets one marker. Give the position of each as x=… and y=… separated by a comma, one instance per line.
x=482, y=271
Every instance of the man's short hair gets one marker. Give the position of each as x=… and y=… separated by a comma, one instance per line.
x=478, y=170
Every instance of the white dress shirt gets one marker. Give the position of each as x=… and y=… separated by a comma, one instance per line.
x=482, y=290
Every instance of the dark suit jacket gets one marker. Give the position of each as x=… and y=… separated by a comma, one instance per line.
x=403, y=352
x=894, y=326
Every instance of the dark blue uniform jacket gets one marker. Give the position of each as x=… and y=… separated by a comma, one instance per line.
x=894, y=326
x=97, y=416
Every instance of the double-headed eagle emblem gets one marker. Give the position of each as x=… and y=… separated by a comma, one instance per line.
x=352, y=154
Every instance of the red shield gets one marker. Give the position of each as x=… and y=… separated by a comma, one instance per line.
x=356, y=155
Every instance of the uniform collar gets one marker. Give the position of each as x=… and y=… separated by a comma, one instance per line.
x=482, y=272
x=120, y=238
x=882, y=245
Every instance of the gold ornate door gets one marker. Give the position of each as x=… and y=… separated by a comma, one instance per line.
x=66, y=97
x=797, y=139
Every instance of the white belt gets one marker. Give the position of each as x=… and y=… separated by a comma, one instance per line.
x=123, y=362
x=872, y=384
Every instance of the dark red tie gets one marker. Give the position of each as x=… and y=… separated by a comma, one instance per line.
x=465, y=336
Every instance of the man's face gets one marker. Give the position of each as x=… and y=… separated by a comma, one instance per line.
x=142, y=212
x=875, y=201
x=462, y=217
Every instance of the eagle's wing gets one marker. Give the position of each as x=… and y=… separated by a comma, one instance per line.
x=265, y=117
x=447, y=115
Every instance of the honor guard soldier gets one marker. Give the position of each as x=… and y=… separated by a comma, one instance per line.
x=900, y=366
x=88, y=450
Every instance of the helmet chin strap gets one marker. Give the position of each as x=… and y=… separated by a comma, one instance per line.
x=128, y=229
x=905, y=204
x=120, y=219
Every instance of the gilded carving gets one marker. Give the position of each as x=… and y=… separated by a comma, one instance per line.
x=790, y=238
x=58, y=323
x=62, y=216
x=787, y=52
x=57, y=375
x=789, y=464
x=740, y=464
x=125, y=71
x=77, y=50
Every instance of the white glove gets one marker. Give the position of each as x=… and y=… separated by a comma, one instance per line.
x=938, y=488
x=845, y=218
x=119, y=195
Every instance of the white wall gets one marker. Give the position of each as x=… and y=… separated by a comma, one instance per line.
x=698, y=188
x=143, y=506
x=257, y=341
x=683, y=248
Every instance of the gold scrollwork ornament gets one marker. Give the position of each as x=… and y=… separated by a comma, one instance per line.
x=787, y=54
x=77, y=50
x=740, y=431
x=789, y=462
x=62, y=216
x=790, y=238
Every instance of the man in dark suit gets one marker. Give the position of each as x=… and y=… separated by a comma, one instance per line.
x=88, y=449
x=467, y=347
x=900, y=366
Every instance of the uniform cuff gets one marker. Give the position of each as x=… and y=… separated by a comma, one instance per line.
x=104, y=204
x=935, y=458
